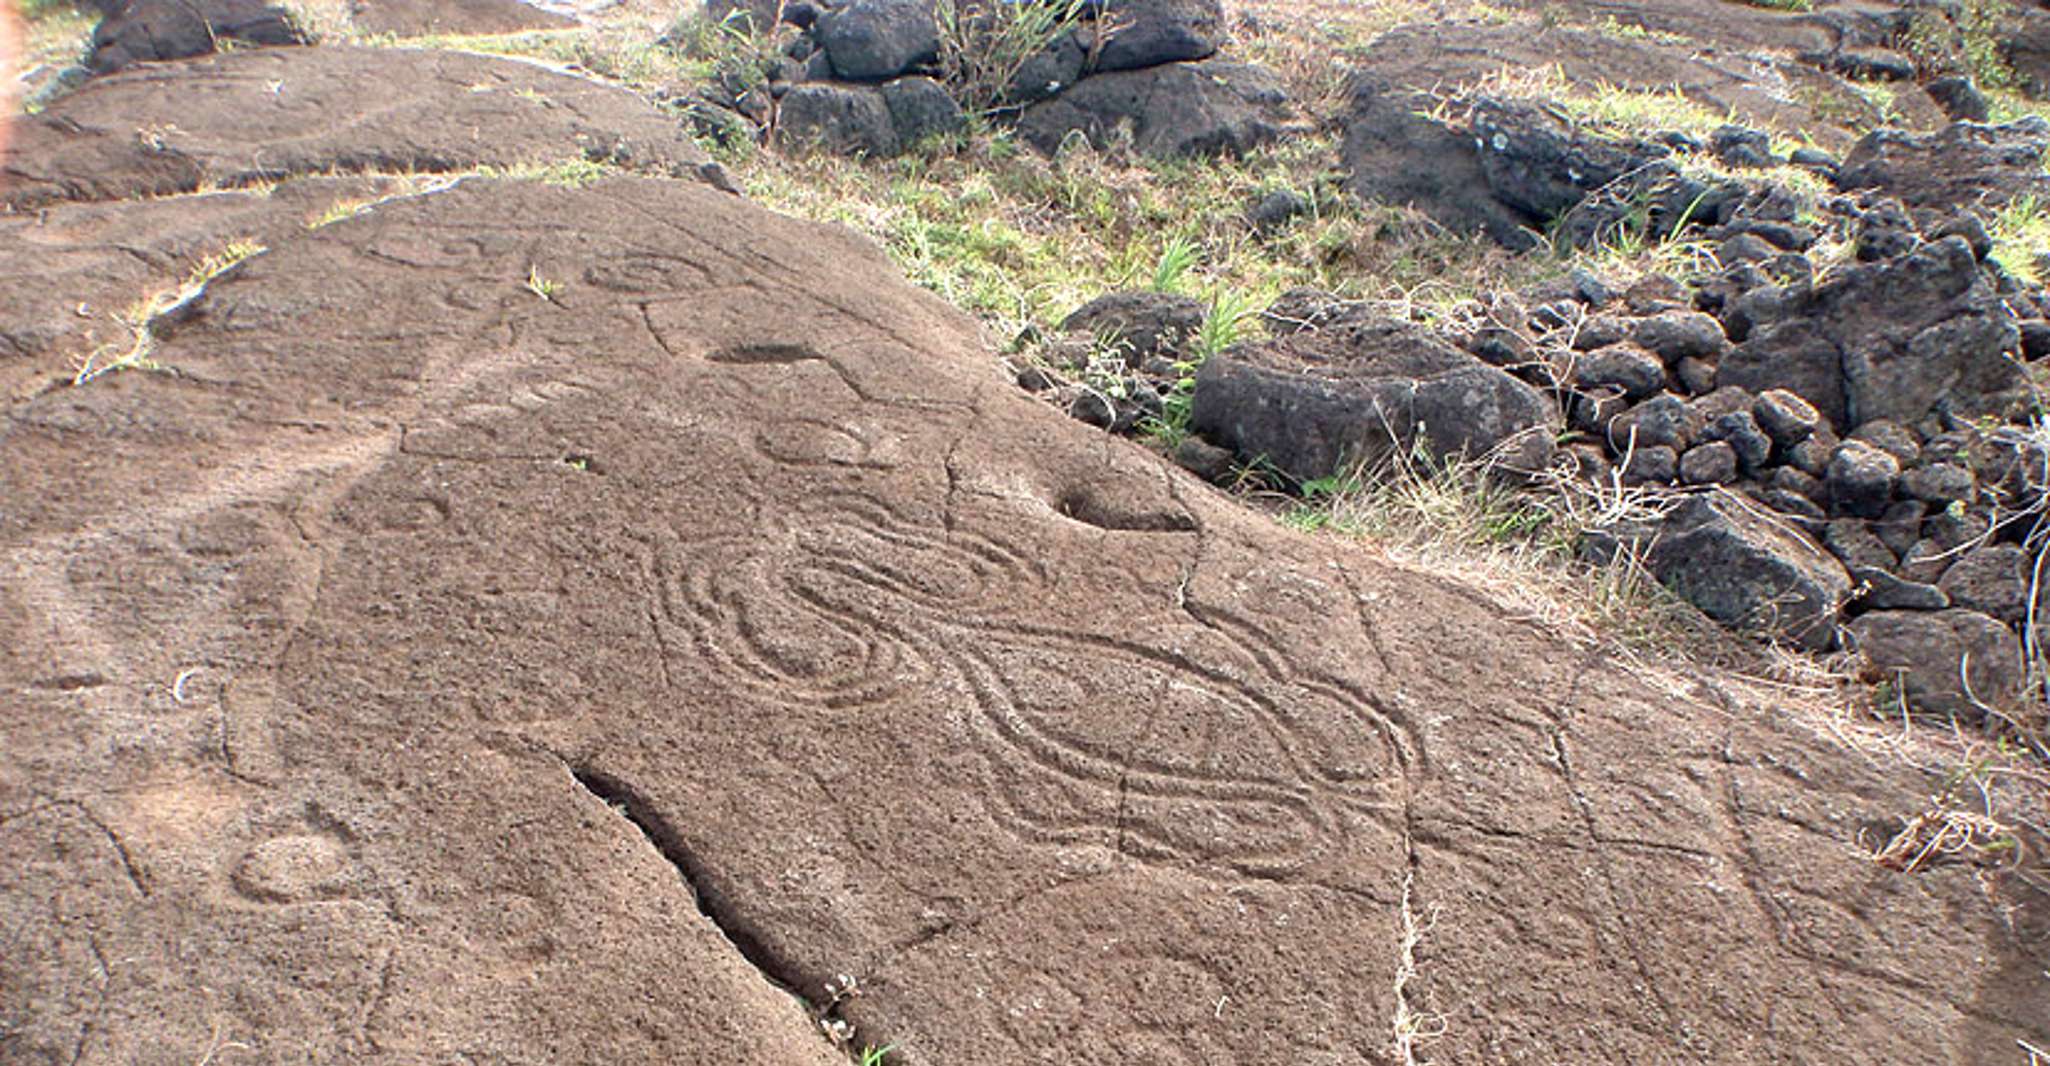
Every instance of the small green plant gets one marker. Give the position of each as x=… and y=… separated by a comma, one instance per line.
x=2021, y=238
x=1225, y=324
x=876, y=1056
x=546, y=288
x=1177, y=258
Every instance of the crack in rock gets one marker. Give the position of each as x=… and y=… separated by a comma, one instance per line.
x=782, y=973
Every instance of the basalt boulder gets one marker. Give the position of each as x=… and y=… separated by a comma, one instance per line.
x=1893, y=339
x=1748, y=571
x=1178, y=109
x=1319, y=403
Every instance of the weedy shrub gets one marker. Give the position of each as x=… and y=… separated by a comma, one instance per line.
x=735, y=52
x=2021, y=238
x=1962, y=37
x=985, y=44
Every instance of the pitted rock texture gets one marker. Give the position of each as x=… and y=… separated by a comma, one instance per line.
x=259, y=116
x=144, y=31
x=549, y=678
x=418, y=18
x=84, y=265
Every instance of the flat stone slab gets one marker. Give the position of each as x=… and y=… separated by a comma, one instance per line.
x=237, y=119
x=419, y=18
x=1755, y=88
x=548, y=624
x=84, y=267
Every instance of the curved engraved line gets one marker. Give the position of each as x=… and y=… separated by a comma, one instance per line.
x=1286, y=737
x=710, y=613
x=1138, y=840
x=770, y=450
x=989, y=573
x=1265, y=650
x=869, y=513
x=1076, y=763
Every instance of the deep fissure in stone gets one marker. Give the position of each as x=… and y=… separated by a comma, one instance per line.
x=635, y=807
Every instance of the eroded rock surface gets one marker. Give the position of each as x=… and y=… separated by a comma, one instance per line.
x=417, y=18
x=556, y=624
x=388, y=686
x=258, y=116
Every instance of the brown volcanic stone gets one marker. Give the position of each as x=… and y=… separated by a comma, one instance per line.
x=388, y=687
x=92, y=261
x=257, y=116
x=418, y=18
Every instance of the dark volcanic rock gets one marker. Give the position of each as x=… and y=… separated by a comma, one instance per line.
x=1141, y=324
x=1636, y=372
x=1178, y=109
x=1662, y=421
x=1677, y=335
x=1860, y=479
x=159, y=130
x=1786, y=417
x=1713, y=463
x=1048, y=71
x=1655, y=464
x=1394, y=155
x=1993, y=580
x=870, y=40
x=1965, y=165
x=1959, y=98
x=1316, y=403
x=1894, y=339
x=1881, y=591
x=1147, y=33
x=845, y=119
x=143, y=31
x=1749, y=572
x=1943, y=662
x=1540, y=165
x=919, y=108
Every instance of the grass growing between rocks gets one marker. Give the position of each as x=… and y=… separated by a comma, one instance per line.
x=1517, y=542
x=2021, y=239
x=1021, y=240
x=140, y=318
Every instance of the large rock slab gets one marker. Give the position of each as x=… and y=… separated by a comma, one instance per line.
x=431, y=663
x=1177, y=109
x=1323, y=402
x=420, y=18
x=85, y=267
x=1754, y=88
x=1965, y=166
x=261, y=116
